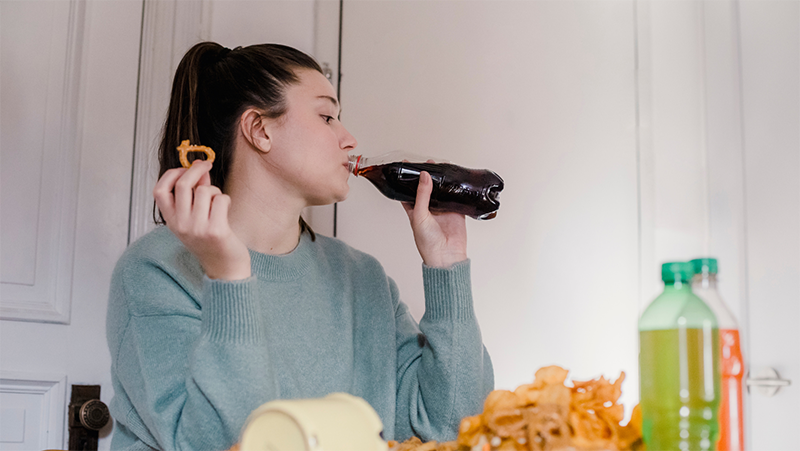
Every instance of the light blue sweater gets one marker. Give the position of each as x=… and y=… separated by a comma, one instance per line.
x=192, y=357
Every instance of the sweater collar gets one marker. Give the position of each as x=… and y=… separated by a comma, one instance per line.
x=287, y=266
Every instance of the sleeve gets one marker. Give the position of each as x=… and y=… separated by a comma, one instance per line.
x=191, y=376
x=444, y=372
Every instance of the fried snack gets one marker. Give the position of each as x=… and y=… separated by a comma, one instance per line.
x=415, y=444
x=547, y=415
x=185, y=148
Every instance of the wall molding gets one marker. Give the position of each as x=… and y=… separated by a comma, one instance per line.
x=322, y=218
x=53, y=392
x=48, y=298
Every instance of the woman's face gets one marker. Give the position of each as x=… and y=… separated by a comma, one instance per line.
x=310, y=146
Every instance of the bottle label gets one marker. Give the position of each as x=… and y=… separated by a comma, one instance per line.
x=731, y=416
x=679, y=388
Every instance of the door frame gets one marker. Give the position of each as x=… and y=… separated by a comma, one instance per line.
x=169, y=29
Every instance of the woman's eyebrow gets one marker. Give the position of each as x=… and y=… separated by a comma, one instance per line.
x=333, y=101
x=335, y=104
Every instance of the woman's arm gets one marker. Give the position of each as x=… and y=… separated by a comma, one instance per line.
x=444, y=372
x=189, y=374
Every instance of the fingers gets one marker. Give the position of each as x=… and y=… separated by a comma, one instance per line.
x=205, y=179
x=163, y=191
x=218, y=217
x=174, y=191
x=203, y=197
x=184, y=187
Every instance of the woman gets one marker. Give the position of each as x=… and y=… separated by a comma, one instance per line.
x=237, y=302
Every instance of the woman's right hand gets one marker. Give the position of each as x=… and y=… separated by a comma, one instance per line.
x=197, y=213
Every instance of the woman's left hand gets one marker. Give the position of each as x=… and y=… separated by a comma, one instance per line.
x=441, y=238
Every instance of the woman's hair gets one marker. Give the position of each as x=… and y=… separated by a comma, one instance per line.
x=213, y=87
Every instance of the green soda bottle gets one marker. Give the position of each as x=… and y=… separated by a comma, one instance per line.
x=679, y=367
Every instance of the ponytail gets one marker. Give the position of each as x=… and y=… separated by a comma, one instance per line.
x=213, y=86
x=184, y=105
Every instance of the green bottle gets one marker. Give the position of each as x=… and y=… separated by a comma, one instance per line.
x=678, y=367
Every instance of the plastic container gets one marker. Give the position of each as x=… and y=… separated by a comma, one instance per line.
x=731, y=413
x=679, y=367
x=471, y=192
x=337, y=422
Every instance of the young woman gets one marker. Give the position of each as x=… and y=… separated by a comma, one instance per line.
x=236, y=302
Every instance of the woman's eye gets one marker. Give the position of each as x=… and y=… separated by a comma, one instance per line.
x=328, y=119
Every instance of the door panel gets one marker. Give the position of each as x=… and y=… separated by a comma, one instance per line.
x=74, y=140
x=40, y=65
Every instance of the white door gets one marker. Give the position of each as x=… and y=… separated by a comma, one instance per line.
x=68, y=87
x=770, y=53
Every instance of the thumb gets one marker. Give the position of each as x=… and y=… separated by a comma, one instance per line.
x=424, y=190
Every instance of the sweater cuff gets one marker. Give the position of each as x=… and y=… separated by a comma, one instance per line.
x=230, y=312
x=448, y=292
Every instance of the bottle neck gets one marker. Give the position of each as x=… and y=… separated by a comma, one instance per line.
x=705, y=281
x=677, y=286
x=355, y=162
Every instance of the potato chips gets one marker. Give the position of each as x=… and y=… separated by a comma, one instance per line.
x=546, y=415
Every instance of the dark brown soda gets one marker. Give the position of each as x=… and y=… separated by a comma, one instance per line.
x=471, y=192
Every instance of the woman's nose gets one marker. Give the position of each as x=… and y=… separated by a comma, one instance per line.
x=347, y=141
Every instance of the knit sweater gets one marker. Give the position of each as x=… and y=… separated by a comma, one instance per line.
x=192, y=356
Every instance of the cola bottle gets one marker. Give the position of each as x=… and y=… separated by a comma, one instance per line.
x=471, y=192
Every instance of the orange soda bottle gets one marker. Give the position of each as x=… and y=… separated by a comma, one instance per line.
x=731, y=415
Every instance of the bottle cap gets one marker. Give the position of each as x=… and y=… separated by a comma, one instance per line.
x=702, y=265
x=677, y=271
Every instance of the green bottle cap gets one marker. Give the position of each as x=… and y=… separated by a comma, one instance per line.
x=677, y=271
x=707, y=264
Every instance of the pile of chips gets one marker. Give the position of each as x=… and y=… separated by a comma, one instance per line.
x=546, y=415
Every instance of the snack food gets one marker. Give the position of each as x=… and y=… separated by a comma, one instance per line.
x=185, y=148
x=546, y=415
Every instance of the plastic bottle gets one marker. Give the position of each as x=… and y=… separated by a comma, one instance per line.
x=471, y=192
x=679, y=367
x=731, y=415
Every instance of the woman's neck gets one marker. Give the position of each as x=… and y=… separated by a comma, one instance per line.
x=262, y=229
x=262, y=214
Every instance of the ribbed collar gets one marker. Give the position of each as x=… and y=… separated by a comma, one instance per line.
x=284, y=267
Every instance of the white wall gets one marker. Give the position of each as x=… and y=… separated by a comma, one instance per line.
x=544, y=93
x=629, y=134
x=245, y=22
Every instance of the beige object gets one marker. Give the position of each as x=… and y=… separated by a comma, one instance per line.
x=185, y=148
x=337, y=422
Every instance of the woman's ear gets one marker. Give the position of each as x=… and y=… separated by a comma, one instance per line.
x=255, y=129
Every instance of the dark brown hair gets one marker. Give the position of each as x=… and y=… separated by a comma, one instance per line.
x=213, y=87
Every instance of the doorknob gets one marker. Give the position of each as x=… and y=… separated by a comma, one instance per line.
x=93, y=414
x=767, y=381
x=87, y=415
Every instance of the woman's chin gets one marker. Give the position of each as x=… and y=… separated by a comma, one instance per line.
x=341, y=197
x=331, y=199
